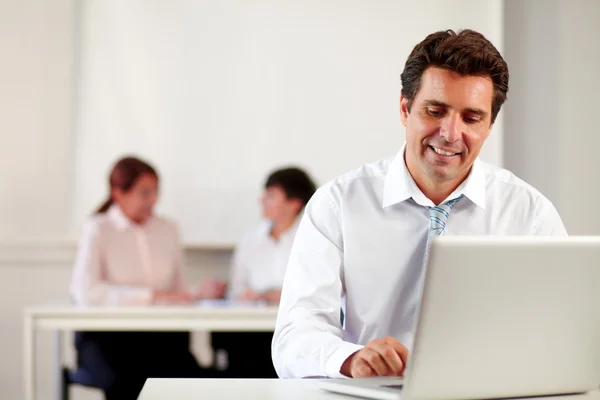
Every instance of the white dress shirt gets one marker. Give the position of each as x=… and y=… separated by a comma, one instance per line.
x=119, y=262
x=362, y=242
x=260, y=261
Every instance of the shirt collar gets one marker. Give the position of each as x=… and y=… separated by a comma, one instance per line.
x=291, y=231
x=399, y=185
x=474, y=185
x=118, y=218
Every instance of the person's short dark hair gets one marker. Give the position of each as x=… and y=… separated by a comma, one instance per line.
x=466, y=53
x=294, y=182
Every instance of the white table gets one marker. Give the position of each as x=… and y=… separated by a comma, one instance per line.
x=225, y=389
x=259, y=389
x=211, y=316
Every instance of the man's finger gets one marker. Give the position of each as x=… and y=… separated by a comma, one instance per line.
x=390, y=356
x=374, y=360
x=399, y=347
x=361, y=369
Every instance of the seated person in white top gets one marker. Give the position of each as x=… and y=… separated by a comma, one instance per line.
x=361, y=243
x=258, y=269
x=128, y=256
x=261, y=256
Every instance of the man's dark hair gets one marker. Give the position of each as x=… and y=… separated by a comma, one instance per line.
x=294, y=182
x=466, y=53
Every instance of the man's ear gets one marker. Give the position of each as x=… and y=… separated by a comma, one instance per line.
x=404, y=110
x=298, y=205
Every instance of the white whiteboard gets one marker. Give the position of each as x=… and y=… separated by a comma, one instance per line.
x=218, y=93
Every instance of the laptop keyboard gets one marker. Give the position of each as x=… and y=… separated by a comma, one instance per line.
x=399, y=386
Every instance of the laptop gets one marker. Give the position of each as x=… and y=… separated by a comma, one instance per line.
x=500, y=317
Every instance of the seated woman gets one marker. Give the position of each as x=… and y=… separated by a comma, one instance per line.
x=128, y=256
x=258, y=269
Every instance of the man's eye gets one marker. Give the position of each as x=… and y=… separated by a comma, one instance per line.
x=434, y=112
x=471, y=120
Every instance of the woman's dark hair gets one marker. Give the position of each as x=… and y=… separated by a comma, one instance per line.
x=466, y=53
x=124, y=175
x=294, y=182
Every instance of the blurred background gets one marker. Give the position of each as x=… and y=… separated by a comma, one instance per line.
x=216, y=94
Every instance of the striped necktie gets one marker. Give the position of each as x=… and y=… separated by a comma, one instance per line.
x=438, y=216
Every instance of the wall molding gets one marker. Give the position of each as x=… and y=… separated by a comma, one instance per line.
x=36, y=254
x=62, y=253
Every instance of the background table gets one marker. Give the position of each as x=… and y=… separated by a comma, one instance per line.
x=206, y=316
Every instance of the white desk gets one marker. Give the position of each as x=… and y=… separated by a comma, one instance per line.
x=259, y=389
x=212, y=316
x=225, y=389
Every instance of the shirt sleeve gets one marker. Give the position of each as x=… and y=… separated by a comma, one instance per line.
x=308, y=338
x=550, y=223
x=88, y=286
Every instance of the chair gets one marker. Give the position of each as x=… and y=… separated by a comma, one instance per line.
x=79, y=376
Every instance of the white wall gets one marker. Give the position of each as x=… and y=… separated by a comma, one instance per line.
x=36, y=75
x=37, y=65
x=551, y=118
x=578, y=109
x=531, y=123
x=219, y=93
x=36, y=159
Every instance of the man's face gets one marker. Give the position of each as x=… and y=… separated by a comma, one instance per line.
x=448, y=122
x=277, y=206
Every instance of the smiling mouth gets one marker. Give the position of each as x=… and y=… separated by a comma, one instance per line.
x=443, y=152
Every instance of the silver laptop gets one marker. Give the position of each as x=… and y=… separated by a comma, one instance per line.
x=501, y=317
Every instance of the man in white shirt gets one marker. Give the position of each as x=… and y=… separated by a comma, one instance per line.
x=362, y=242
x=261, y=256
x=258, y=269
x=260, y=261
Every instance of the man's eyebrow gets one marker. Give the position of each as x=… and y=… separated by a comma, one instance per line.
x=477, y=111
x=436, y=103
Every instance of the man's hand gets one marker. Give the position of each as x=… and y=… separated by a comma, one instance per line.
x=381, y=357
x=249, y=295
x=211, y=289
x=271, y=297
